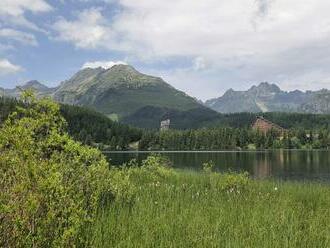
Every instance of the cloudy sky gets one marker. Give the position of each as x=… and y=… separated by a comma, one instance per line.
x=202, y=47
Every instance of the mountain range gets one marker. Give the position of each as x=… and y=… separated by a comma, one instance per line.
x=268, y=97
x=122, y=93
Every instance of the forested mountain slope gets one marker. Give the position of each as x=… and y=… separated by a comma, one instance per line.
x=87, y=126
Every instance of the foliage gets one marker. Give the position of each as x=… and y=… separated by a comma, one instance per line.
x=86, y=126
x=90, y=127
x=50, y=185
x=208, y=167
x=192, y=209
x=150, y=117
x=126, y=180
x=234, y=138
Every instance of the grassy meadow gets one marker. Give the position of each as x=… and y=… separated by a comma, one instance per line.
x=190, y=209
x=62, y=193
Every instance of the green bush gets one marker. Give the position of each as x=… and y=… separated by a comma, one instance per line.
x=226, y=182
x=130, y=178
x=50, y=185
x=230, y=183
x=208, y=167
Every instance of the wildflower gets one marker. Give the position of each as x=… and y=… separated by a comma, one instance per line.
x=275, y=188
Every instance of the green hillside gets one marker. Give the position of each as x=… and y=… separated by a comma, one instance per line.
x=121, y=91
x=86, y=126
x=150, y=117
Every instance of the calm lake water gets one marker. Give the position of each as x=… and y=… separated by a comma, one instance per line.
x=279, y=164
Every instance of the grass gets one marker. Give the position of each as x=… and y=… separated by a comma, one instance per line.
x=190, y=209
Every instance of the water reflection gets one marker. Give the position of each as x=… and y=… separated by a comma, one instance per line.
x=282, y=164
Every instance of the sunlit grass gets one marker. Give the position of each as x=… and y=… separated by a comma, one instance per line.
x=191, y=209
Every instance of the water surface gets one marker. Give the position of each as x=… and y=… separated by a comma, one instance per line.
x=279, y=164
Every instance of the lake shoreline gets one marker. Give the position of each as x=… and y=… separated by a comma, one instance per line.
x=214, y=151
x=299, y=164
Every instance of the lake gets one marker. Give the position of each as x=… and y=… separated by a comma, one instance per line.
x=278, y=164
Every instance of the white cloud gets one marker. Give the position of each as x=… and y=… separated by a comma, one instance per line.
x=103, y=64
x=7, y=67
x=246, y=41
x=90, y=30
x=19, y=36
x=221, y=29
x=13, y=11
x=199, y=63
x=18, y=7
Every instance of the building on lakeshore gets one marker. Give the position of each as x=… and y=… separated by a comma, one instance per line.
x=264, y=125
x=165, y=125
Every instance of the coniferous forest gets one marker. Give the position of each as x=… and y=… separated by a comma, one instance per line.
x=86, y=126
x=304, y=131
x=234, y=139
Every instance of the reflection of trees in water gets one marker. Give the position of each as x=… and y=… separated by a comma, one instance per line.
x=279, y=164
x=262, y=168
x=303, y=164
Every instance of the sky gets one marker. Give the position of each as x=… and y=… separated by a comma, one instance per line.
x=203, y=47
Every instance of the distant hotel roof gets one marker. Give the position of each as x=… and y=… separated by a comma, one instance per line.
x=269, y=122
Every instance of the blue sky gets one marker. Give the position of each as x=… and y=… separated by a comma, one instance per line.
x=201, y=47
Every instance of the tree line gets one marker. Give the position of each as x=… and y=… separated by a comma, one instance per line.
x=234, y=138
x=86, y=125
x=93, y=128
x=308, y=131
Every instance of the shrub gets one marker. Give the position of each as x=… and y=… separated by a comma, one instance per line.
x=127, y=181
x=208, y=167
x=156, y=168
x=50, y=185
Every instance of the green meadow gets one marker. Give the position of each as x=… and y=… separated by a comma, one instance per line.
x=56, y=192
x=190, y=209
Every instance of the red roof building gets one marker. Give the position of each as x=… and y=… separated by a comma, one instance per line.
x=264, y=125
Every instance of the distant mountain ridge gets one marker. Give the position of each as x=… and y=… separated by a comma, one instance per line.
x=268, y=97
x=120, y=92
x=39, y=88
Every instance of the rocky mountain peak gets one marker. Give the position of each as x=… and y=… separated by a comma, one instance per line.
x=265, y=87
x=34, y=84
x=267, y=97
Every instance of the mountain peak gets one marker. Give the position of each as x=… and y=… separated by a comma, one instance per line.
x=266, y=87
x=88, y=70
x=122, y=68
x=229, y=92
x=34, y=84
x=267, y=97
x=120, y=91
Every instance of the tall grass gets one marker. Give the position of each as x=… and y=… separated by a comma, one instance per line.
x=190, y=209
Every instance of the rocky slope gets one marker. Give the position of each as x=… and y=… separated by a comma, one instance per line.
x=270, y=98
